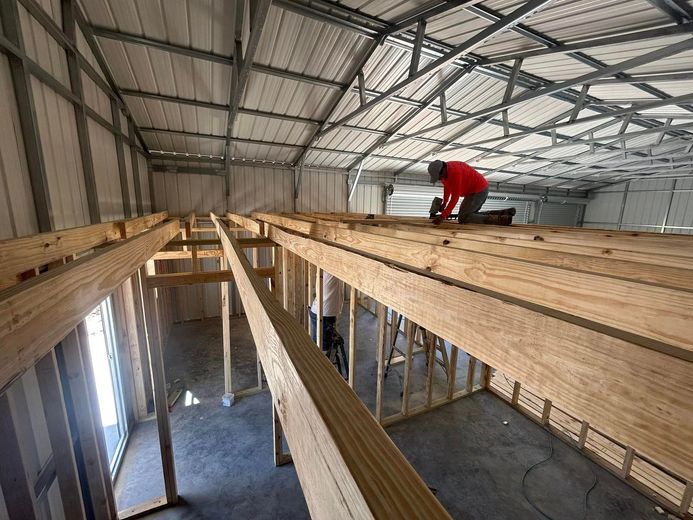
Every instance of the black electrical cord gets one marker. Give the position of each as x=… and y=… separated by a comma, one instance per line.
x=546, y=459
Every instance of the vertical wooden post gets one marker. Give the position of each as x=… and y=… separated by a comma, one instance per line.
x=485, y=378
x=226, y=330
x=280, y=458
x=88, y=427
x=353, y=308
x=431, y=367
x=382, y=332
x=516, y=393
x=51, y=391
x=17, y=486
x=256, y=264
x=546, y=412
x=279, y=274
x=584, y=430
x=686, y=498
x=627, y=462
x=160, y=398
x=393, y=328
x=311, y=291
x=319, y=296
x=452, y=371
x=306, y=294
x=471, y=369
x=409, y=331
x=83, y=342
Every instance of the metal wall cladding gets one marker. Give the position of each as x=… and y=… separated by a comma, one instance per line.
x=58, y=130
x=649, y=205
x=367, y=199
x=96, y=99
x=17, y=217
x=183, y=193
x=42, y=48
x=322, y=191
x=266, y=189
x=554, y=214
x=105, y=160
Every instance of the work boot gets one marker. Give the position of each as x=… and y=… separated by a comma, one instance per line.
x=499, y=220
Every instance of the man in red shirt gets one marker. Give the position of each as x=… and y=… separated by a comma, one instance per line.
x=461, y=180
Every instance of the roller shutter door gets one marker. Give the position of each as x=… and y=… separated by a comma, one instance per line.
x=552, y=214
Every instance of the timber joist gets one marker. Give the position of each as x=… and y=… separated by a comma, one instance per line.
x=37, y=313
x=611, y=345
x=347, y=465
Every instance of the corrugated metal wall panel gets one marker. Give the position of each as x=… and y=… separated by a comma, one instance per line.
x=552, y=214
x=367, y=199
x=97, y=99
x=647, y=204
x=261, y=189
x=17, y=216
x=181, y=193
x=42, y=48
x=681, y=210
x=322, y=191
x=58, y=130
x=105, y=159
x=604, y=207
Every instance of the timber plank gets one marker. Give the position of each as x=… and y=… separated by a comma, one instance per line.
x=657, y=317
x=18, y=255
x=587, y=373
x=38, y=313
x=347, y=465
x=198, y=277
x=247, y=223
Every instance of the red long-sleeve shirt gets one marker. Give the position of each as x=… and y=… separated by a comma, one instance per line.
x=462, y=180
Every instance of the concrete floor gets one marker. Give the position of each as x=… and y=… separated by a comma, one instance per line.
x=224, y=456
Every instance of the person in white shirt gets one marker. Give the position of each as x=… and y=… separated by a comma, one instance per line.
x=332, y=303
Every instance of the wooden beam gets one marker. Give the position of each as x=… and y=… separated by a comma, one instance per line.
x=18, y=255
x=226, y=330
x=452, y=370
x=655, y=417
x=657, y=268
x=247, y=223
x=319, y=296
x=154, y=343
x=88, y=428
x=381, y=312
x=177, y=279
x=38, y=313
x=353, y=309
x=187, y=255
x=347, y=465
x=658, y=318
x=409, y=331
x=17, y=484
x=51, y=391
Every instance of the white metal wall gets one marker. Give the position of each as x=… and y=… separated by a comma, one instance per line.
x=17, y=215
x=664, y=205
x=368, y=198
x=256, y=188
x=182, y=193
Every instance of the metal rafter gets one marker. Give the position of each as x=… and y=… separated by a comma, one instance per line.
x=258, y=14
x=426, y=103
x=649, y=57
x=103, y=32
x=482, y=36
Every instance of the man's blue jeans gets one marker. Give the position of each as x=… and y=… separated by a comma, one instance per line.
x=328, y=323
